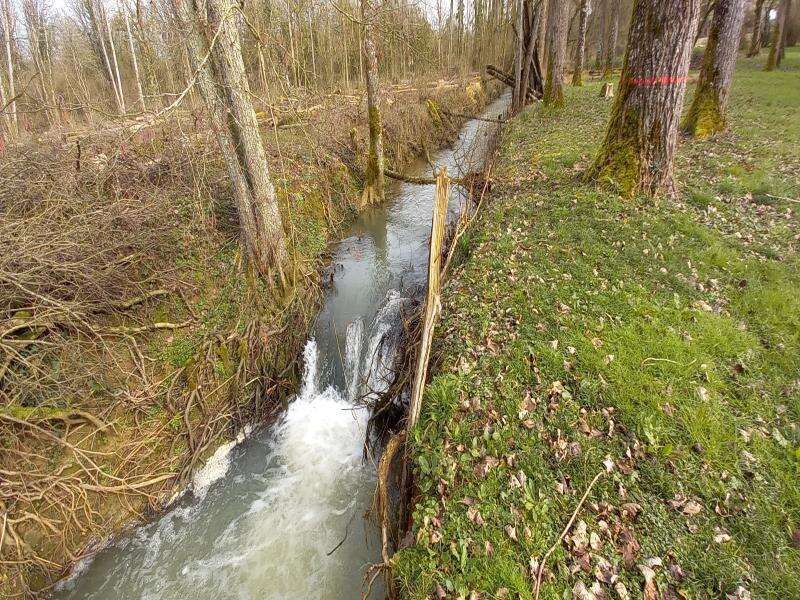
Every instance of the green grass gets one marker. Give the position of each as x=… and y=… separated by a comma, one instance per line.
x=663, y=335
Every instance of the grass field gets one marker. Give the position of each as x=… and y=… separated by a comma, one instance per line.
x=656, y=344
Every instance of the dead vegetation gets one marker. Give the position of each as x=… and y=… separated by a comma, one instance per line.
x=131, y=341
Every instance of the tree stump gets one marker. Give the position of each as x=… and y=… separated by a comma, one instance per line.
x=607, y=91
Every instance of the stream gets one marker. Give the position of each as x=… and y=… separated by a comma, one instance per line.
x=279, y=513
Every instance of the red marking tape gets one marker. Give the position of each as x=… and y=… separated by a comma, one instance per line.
x=662, y=80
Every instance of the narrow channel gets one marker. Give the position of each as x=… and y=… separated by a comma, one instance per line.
x=280, y=515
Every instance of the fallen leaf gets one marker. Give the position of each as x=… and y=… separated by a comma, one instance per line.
x=650, y=589
x=581, y=592
x=691, y=508
x=622, y=591
x=630, y=547
x=512, y=532
x=440, y=593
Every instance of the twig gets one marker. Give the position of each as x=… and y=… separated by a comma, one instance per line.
x=564, y=533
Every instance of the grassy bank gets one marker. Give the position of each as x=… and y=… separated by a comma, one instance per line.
x=132, y=340
x=651, y=345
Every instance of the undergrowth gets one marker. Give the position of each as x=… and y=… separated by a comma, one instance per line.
x=655, y=343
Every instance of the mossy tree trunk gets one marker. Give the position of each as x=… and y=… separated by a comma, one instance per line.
x=374, y=182
x=775, y=54
x=580, y=49
x=210, y=30
x=706, y=115
x=556, y=42
x=611, y=39
x=638, y=151
x=755, y=36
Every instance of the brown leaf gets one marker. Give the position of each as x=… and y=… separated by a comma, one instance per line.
x=650, y=589
x=630, y=547
x=630, y=510
x=512, y=532
x=440, y=593
x=692, y=508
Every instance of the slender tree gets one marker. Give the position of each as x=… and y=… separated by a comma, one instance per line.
x=580, y=48
x=556, y=42
x=219, y=71
x=755, y=36
x=611, y=40
x=706, y=114
x=775, y=55
x=373, y=186
x=132, y=47
x=8, y=32
x=638, y=151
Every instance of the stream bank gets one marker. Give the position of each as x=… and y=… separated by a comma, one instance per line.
x=173, y=353
x=643, y=354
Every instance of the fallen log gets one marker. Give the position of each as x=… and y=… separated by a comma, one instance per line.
x=507, y=79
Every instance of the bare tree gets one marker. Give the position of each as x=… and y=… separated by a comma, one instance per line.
x=137, y=77
x=556, y=43
x=755, y=36
x=706, y=115
x=373, y=185
x=227, y=95
x=580, y=48
x=611, y=39
x=775, y=51
x=638, y=151
x=8, y=30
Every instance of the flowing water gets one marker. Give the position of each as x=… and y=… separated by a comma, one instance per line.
x=279, y=513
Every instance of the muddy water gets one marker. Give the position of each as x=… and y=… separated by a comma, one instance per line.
x=280, y=514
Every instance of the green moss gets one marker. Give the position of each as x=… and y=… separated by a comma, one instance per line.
x=705, y=116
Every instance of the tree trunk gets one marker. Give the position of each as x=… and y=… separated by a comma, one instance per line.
x=115, y=62
x=774, y=59
x=373, y=186
x=638, y=151
x=8, y=28
x=234, y=124
x=132, y=46
x=518, y=93
x=755, y=36
x=611, y=41
x=531, y=61
x=557, y=16
x=706, y=115
x=580, y=50
x=701, y=26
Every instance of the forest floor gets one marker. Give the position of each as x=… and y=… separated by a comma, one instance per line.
x=133, y=343
x=646, y=354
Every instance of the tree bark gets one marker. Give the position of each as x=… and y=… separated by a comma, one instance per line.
x=755, y=36
x=557, y=15
x=638, y=151
x=580, y=49
x=611, y=41
x=374, y=184
x=774, y=59
x=236, y=128
x=706, y=115
x=12, y=92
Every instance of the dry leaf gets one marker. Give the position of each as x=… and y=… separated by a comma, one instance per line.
x=692, y=508
x=512, y=532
